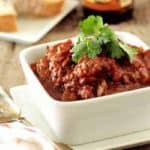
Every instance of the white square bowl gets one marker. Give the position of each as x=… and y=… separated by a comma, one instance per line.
x=86, y=121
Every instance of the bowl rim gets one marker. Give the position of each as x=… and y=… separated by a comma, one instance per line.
x=24, y=61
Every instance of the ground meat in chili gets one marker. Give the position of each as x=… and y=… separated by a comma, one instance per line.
x=90, y=77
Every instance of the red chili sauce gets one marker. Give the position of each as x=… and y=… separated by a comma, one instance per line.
x=102, y=75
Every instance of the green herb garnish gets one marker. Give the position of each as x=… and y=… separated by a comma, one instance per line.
x=94, y=36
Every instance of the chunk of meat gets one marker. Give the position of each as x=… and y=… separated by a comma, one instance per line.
x=96, y=66
x=42, y=69
x=102, y=87
x=86, y=92
x=146, y=58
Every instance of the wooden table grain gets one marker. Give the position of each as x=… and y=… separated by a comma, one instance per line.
x=10, y=69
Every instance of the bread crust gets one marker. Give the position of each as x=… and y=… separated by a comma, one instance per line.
x=38, y=8
x=50, y=9
x=8, y=17
x=8, y=23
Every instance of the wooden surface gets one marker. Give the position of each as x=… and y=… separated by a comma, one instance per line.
x=10, y=70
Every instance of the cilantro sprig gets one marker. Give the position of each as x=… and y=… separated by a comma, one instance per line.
x=94, y=36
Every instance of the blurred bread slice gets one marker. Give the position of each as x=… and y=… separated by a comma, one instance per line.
x=39, y=8
x=8, y=17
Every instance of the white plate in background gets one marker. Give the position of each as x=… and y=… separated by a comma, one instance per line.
x=31, y=30
x=23, y=97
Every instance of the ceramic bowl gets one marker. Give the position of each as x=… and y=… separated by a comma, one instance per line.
x=86, y=121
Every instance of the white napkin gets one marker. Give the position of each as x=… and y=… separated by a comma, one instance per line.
x=17, y=136
x=8, y=110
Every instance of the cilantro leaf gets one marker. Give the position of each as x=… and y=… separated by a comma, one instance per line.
x=94, y=36
x=131, y=52
x=110, y=40
x=115, y=51
x=86, y=46
x=79, y=51
x=91, y=25
x=93, y=48
x=107, y=34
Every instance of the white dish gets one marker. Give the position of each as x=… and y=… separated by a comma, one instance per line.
x=86, y=121
x=31, y=30
x=24, y=99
